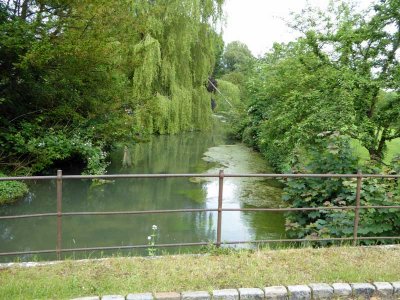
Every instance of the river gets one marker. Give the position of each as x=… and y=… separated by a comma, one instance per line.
x=196, y=152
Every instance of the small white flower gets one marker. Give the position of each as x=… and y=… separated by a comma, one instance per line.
x=154, y=227
x=149, y=237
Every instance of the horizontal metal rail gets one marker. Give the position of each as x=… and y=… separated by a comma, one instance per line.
x=113, y=176
x=106, y=213
x=128, y=176
x=311, y=208
x=59, y=214
x=192, y=210
x=28, y=216
x=313, y=175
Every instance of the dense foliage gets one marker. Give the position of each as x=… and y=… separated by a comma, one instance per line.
x=228, y=98
x=332, y=153
x=294, y=98
x=76, y=76
x=309, y=99
x=342, y=75
x=233, y=67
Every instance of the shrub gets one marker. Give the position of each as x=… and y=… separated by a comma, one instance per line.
x=11, y=191
x=333, y=154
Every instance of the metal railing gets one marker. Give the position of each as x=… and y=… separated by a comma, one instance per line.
x=59, y=214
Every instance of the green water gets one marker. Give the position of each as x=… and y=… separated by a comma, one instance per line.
x=184, y=153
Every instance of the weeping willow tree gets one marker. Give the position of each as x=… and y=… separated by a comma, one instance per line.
x=165, y=51
x=170, y=52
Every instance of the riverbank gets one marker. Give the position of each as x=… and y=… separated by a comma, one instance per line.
x=230, y=269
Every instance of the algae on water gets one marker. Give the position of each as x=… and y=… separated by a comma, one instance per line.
x=239, y=159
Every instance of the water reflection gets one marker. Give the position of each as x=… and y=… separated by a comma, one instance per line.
x=185, y=153
x=240, y=193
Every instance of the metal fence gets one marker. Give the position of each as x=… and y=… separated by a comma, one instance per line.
x=59, y=214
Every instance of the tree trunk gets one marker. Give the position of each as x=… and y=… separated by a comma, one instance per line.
x=375, y=94
x=24, y=11
x=376, y=151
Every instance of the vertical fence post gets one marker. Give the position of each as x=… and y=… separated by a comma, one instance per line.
x=220, y=194
x=357, y=208
x=59, y=216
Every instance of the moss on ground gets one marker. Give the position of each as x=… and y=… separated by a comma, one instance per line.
x=11, y=191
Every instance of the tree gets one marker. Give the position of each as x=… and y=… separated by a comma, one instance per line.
x=237, y=57
x=342, y=75
x=100, y=71
x=295, y=96
x=369, y=47
x=308, y=97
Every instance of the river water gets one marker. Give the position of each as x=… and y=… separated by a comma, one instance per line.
x=196, y=152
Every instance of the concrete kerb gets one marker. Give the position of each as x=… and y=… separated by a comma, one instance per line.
x=313, y=291
x=299, y=292
x=342, y=290
x=113, y=297
x=363, y=290
x=384, y=290
x=199, y=295
x=276, y=293
x=396, y=286
x=321, y=291
x=228, y=294
x=167, y=296
x=251, y=294
x=143, y=296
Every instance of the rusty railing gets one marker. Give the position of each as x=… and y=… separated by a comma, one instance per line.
x=59, y=214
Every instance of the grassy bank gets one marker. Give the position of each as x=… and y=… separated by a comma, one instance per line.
x=393, y=149
x=180, y=273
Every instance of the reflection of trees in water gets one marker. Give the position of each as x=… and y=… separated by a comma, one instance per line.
x=98, y=231
x=167, y=154
x=171, y=154
x=126, y=159
x=265, y=225
x=163, y=154
x=5, y=233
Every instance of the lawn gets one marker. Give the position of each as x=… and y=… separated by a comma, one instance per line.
x=393, y=148
x=234, y=269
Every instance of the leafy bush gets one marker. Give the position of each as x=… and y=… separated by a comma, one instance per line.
x=11, y=191
x=41, y=150
x=332, y=154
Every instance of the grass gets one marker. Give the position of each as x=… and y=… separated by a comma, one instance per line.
x=393, y=148
x=187, y=272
